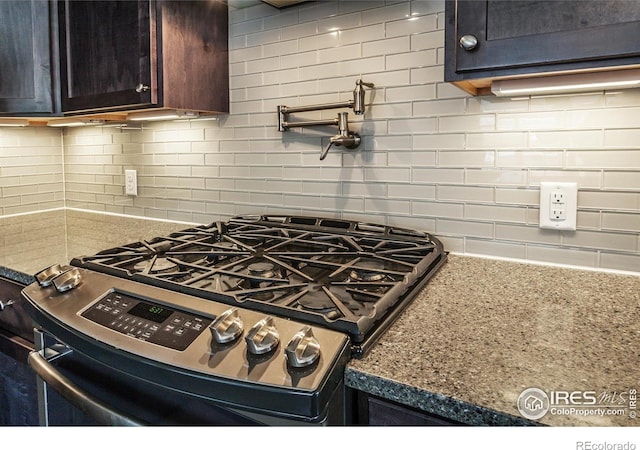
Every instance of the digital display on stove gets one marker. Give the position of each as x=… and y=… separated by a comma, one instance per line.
x=154, y=313
x=147, y=321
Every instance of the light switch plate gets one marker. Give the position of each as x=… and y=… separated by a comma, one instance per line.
x=558, y=205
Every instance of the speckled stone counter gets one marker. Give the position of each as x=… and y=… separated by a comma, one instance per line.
x=31, y=242
x=475, y=337
x=482, y=331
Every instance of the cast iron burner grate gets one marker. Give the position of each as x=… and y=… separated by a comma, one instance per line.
x=343, y=275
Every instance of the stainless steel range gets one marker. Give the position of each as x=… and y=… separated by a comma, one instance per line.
x=256, y=316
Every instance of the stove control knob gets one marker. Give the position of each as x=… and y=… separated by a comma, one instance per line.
x=303, y=349
x=227, y=327
x=263, y=337
x=67, y=280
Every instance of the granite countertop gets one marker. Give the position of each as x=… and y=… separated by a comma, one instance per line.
x=473, y=339
x=482, y=331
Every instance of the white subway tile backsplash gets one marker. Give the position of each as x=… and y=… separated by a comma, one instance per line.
x=437, y=176
x=438, y=209
x=562, y=255
x=611, y=159
x=439, y=141
x=467, y=124
x=412, y=25
x=629, y=138
x=498, y=177
x=411, y=191
x=495, y=248
x=424, y=41
x=361, y=34
x=525, y=233
x=436, y=108
x=533, y=159
x=529, y=121
x=465, y=228
x=495, y=213
x=609, y=200
x=386, y=46
x=467, y=169
x=515, y=196
x=474, y=158
x=620, y=261
x=621, y=180
x=620, y=221
x=602, y=118
x=400, y=10
x=566, y=139
x=584, y=178
x=465, y=193
x=332, y=23
x=411, y=59
x=412, y=126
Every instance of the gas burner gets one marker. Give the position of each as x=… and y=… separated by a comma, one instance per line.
x=226, y=245
x=316, y=303
x=373, y=271
x=317, y=300
x=156, y=266
x=261, y=269
x=260, y=273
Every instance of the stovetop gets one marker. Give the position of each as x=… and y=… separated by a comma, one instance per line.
x=342, y=275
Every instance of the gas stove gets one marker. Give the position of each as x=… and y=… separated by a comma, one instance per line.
x=259, y=313
x=342, y=275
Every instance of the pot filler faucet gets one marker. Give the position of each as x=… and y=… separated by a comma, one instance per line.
x=346, y=138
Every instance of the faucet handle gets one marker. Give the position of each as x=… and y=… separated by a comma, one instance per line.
x=362, y=83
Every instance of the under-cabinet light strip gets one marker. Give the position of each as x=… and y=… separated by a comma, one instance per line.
x=560, y=84
x=14, y=122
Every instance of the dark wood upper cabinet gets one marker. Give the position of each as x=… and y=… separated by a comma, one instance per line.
x=532, y=37
x=133, y=55
x=27, y=75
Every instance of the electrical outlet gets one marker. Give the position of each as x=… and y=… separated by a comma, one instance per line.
x=131, y=182
x=558, y=205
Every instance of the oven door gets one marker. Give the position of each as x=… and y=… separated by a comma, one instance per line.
x=74, y=389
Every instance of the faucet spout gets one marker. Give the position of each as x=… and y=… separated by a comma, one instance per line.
x=345, y=138
x=323, y=153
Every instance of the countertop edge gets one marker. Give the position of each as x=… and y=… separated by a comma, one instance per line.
x=431, y=402
x=15, y=275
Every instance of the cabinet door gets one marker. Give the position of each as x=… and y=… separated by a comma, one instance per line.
x=517, y=37
x=14, y=319
x=107, y=54
x=25, y=58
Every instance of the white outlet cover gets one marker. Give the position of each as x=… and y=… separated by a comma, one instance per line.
x=566, y=220
x=131, y=182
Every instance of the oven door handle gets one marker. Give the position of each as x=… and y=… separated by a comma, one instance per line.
x=91, y=406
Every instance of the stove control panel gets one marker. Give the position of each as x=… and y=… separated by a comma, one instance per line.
x=196, y=345
x=146, y=321
x=176, y=329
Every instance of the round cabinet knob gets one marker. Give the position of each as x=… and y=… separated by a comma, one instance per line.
x=468, y=42
x=141, y=88
x=227, y=327
x=263, y=337
x=303, y=349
